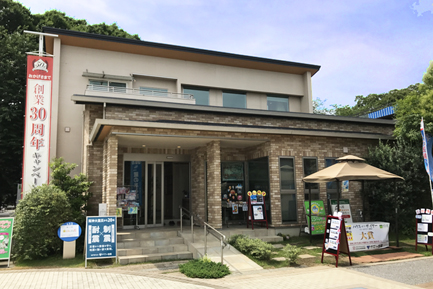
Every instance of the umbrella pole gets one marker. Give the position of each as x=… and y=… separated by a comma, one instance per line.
x=396, y=214
x=309, y=215
x=363, y=201
x=338, y=195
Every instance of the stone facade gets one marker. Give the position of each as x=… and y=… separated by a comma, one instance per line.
x=104, y=160
x=213, y=152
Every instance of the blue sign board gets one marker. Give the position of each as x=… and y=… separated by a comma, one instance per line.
x=69, y=231
x=101, y=241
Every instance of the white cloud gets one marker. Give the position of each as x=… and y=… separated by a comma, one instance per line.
x=423, y=6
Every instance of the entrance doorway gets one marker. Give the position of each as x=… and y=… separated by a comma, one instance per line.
x=161, y=188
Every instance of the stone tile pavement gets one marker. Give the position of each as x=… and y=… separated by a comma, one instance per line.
x=312, y=277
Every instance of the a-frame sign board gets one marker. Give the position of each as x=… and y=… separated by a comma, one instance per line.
x=424, y=228
x=335, y=239
x=257, y=208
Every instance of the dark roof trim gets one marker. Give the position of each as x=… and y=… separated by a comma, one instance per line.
x=175, y=47
x=83, y=99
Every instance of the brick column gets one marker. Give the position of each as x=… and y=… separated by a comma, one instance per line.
x=274, y=189
x=198, y=203
x=111, y=174
x=214, y=184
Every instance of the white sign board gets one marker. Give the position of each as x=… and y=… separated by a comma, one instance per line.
x=365, y=236
x=67, y=231
x=102, y=210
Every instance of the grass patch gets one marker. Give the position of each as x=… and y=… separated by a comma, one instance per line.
x=52, y=261
x=407, y=244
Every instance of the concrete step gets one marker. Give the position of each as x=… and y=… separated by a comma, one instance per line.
x=153, y=250
x=124, y=260
x=131, y=243
x=140, y=235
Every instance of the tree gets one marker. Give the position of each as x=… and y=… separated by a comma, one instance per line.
x=76, y=188
x=14, y=19
x=416, y=105
x=374, y=102
x=320, y=108
x=404, y=158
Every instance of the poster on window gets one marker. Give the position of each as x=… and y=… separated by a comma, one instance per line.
x=37, y=128
x=235, y=209
x=344, y=209
x=258, y=212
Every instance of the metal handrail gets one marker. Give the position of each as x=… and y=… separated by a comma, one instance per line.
x=137, y=91
x=191, y=217
x=207, y=229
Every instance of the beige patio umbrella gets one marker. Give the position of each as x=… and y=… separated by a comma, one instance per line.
x=351, y=168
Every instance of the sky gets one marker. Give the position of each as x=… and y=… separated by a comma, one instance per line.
x=362, y=46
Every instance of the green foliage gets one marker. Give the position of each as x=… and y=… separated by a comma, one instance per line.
x=413, y=107
x=320, y=108
x=14, y=18
x=291, y=252
x=204, y=268
x=233, y=239
x=38, y=217
x=404, y=159
x=373, y=102
x=255, y=247
x=76, y=188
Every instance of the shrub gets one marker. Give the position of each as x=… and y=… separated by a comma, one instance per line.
x=38, y=217
x=233, y=239
x=291, y=252
x=255, y=247
x=76, y=188
x=204, y=268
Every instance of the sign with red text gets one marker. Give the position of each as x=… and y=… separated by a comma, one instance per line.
x=37, y=122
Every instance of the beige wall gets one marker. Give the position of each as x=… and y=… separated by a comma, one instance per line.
x=73, y=61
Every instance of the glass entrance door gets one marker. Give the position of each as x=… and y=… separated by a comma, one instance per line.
x=154, y=197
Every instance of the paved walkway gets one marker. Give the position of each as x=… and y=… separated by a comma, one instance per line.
x=313, y=277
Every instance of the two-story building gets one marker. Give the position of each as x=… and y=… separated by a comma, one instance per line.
x=182, y=126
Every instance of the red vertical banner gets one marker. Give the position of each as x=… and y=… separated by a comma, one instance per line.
x=37, y=133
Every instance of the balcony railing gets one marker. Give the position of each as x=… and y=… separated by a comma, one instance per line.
x=134, y=91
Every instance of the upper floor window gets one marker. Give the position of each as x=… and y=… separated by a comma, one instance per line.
x=234, y=99
x=153, y=91
x=201, y=96
x=109, y=86
x=278, y=103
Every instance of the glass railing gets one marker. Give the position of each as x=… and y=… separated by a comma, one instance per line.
x=135, y=91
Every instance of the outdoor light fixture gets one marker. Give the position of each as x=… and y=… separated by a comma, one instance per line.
x=178, y=147
x=144, y=146
x=67, y=129
x=345, y=150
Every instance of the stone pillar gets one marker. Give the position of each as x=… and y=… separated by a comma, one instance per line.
x=214, y=184
x=198, y=185
x=111, y=174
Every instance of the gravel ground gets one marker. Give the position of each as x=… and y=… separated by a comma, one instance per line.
x=413, y=272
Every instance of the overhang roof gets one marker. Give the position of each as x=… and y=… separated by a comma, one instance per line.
x=86, y=99
x=119, y=44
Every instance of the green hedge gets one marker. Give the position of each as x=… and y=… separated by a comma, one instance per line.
x=255, y=247
x=204, y=268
